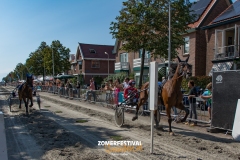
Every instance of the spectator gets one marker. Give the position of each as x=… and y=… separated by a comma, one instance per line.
x=192, y=102
x=91, y=90
x=95, y=84
x=117, y=88
x=109, y=95
x=110, y=82
x=78, y=89
x=207, y=95
x=67, y=88
x=106, y=87
x=70, y=86
x=131, y=91
x=125, y=83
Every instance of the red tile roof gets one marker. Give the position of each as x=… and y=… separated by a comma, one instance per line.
x=100, y=51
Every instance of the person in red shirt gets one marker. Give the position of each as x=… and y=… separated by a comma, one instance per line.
x=131, y=91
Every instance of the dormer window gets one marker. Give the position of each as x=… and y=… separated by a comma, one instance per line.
x=92, y=51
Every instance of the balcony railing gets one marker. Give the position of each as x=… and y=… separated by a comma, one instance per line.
x=137, y=62
x=226, y=52
x=122, y=66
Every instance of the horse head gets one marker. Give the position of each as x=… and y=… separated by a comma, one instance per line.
x=185, y=69
x=29, y=80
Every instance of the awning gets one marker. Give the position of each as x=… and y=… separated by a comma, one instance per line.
x=223, y=66
x=64, y=76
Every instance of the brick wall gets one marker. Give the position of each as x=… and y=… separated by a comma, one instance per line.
x=199, y=58
x=220, y=6
x=210, y=38
x=192, y=45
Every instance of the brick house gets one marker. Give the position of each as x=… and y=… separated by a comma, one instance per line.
x=72, y=60
x=195, y=43
x=131, y=62
x=223, y=40
x=92, y=60
x=195, y=39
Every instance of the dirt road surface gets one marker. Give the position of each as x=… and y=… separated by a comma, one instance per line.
x=69, y=129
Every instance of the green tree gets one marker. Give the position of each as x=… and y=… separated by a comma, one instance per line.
x=41, y=60
x=61, y=57
x=143, y=24
x=35, y=62
x=20, y=71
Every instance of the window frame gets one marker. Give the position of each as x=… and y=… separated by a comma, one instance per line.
x=92, y=51
x=147, y=54
x=95, y=64
x=124, y=57
x=184, y=46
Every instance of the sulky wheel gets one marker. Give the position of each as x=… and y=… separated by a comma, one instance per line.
x=119, y=116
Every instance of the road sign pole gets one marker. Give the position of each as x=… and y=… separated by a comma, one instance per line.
x=153, y=95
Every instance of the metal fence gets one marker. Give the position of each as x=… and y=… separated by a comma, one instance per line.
x=107, y=98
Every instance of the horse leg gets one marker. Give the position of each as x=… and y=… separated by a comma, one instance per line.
x=20, y=103
x=182, y=107
x=31, y=102
x=136, y=114
x=26, y=105
x=155, y=118
x=168, y=110
x=141, y=102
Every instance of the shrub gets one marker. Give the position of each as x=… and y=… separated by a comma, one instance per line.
x=121, y=76
x=200, y=81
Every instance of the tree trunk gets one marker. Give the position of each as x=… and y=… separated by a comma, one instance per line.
x=142, y=68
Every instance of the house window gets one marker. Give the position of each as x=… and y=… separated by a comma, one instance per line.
x=95, y=64
x=186, y=45
x=147, y=54
x=92, y=50
x=80, y=65
x=124, y=57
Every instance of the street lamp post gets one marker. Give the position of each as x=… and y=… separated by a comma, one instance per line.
x=44, y=68
x=169, y=36
x=108, y=62
x=53, y=62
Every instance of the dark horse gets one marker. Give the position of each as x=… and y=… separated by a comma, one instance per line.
x=170, y=94
x=25, y=93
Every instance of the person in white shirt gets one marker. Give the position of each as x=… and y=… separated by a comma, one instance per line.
x=125, y=83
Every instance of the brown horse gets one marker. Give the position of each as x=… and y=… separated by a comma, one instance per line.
x=170, y=94
x=25, y=93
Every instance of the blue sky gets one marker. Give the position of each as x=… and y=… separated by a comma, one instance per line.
x=24, y=24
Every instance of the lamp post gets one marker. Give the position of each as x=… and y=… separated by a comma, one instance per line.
x=169, y=36
x=44, y=68
x=108, y=62
x=53, y=62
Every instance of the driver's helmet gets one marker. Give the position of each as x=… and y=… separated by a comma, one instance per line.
x=30, y=76
x=131, y=82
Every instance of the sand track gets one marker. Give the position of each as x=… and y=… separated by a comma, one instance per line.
x=53, y=133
